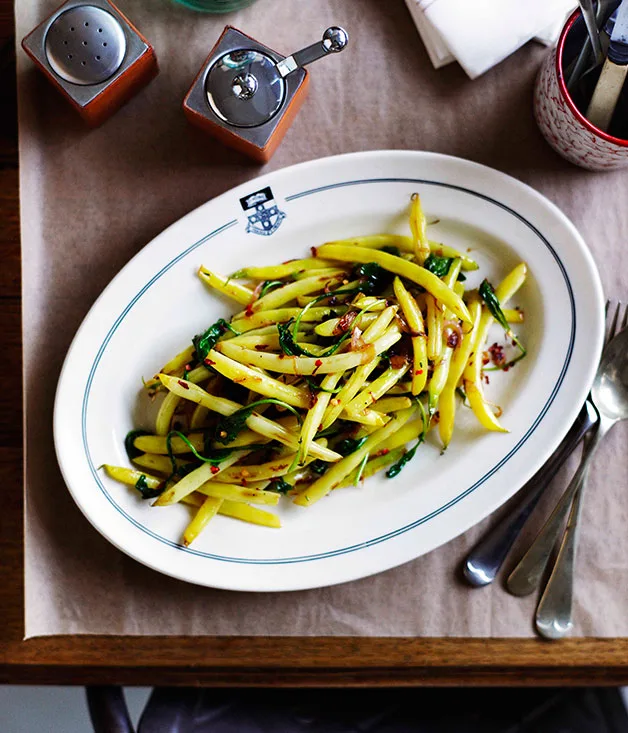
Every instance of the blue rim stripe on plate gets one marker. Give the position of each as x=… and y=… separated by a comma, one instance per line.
x=382, y=538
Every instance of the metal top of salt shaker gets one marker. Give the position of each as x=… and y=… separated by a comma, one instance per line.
x=246, y=87
x=85, y=45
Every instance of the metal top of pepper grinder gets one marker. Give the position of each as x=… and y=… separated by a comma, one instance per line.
x=246, y=87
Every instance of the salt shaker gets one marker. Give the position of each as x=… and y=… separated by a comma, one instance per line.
x=93, y=55
x=246, y=95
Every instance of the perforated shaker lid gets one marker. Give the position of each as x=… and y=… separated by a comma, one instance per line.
x=85, y=45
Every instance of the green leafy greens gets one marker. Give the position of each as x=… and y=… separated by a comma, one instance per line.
x=214, y=457
x=131, y=451
x=344, y=447
x=317, y=387
x=373, y=278
x=268, y=286
x=205, y=342
x=350, y=445
x=318, y=467
x=229, y=426
x=392, y=250
x=288, y=331
x=396, y=468
x=279, y=485
x=438, y=265
x=488, y=295
x=145, y=491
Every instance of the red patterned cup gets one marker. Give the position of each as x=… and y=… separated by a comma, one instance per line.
x=564, y=127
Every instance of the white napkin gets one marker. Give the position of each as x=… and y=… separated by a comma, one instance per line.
x=481, y=33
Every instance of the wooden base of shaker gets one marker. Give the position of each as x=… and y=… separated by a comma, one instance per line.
x=235, y=141
x=116, y=94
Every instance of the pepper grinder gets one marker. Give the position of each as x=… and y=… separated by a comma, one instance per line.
x=93, y=55
x=246, y=95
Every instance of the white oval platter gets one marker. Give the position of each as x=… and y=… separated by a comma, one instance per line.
x=156, y=304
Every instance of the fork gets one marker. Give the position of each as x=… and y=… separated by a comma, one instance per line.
x=554, y=611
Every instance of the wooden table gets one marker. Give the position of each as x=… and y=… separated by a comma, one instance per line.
x=240, y=661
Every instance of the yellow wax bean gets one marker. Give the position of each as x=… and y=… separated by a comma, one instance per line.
x=377, y=241
x=280, y=296
x=262, y=425
x=405, y=244
x=160, y=463
x=441, y=367
x=315, y=414
x=373, y=418
x=334, y=476
x=327, y=272
x=282, y=315
x=157, y=443
x=414, y=319
x=208, y=509
x=418, y=229
x=254, y=379
x=408, y=433
x=447, y=401
x=513, y=315
x=434, y=329
x=419, y=275
x=130, y=476
x=328, y=328
x=239, y=293
x=196, y=478
x=179, y=361
x=273, y=469
x=250, y=514
x=285, y=364
x=277, y=272
x=392, y=404
x=376, y=389
x=372, y=467
x=238, y=493
x=166, y=413
x=473, y=371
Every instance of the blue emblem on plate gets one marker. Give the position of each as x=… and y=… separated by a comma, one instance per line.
x=265, y=218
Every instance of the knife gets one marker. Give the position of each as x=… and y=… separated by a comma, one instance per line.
x=611, y=81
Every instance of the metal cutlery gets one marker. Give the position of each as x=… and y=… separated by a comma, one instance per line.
x=588, y=13
x=487, y=556
x=610, y=397
x=485, y=560
x=603, y=11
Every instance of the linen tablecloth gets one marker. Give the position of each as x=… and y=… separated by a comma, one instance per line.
x=90, y=199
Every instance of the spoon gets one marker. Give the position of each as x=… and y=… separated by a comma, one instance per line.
x=610, y=396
